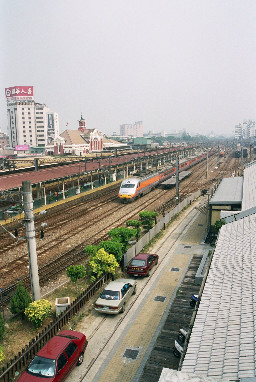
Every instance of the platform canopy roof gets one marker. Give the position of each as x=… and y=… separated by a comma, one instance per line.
x=230, y=191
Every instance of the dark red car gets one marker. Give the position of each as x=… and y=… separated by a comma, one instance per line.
x=141, y=264
x=57, y=358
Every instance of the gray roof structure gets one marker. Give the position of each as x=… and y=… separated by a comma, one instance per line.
x=249, y=186
x=223, y=339
x=230, y=191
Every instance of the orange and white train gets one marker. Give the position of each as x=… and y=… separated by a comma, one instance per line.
x=136, y=186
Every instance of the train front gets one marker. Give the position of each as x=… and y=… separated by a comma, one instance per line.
x=128, y=189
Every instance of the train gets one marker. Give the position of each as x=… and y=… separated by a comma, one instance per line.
x=136, y=186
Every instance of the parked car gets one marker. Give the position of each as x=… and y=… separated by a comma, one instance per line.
x=141, y=264
x=57, y=358
x=115, y=296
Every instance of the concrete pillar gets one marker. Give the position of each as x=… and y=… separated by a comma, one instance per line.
x=45, y=200
x=31, y=239
x=63, y=189
x=91, y=182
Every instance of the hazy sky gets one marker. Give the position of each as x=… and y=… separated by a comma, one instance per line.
x=173, y=64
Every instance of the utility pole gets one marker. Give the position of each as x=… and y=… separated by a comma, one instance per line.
x=177, y=179
x=207, y=164
x=31, y=239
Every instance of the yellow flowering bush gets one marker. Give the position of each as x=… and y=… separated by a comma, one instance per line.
x=100, y=263
x=37, y=311
x=1, y=354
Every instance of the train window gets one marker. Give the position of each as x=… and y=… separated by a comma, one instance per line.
x=128, y=185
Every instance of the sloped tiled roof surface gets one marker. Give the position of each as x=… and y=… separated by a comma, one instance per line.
x=223, y=339
x=249, y=186
x=72, y=137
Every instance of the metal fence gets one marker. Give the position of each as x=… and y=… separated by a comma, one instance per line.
x=19, y=362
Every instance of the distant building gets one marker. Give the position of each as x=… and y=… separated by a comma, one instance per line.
x=80, y=142
x=245, y=130
x=132, y=130
x=29, y=124
x=4, y=140
x=53, y=128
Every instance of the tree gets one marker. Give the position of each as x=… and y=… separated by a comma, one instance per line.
x=113, y=247
x=76, y=272
x=122, y=235
x=102, y=263
x=91, y=249
x=20, y=300
x=136, y=224
x=2, y=328
x=148, y=219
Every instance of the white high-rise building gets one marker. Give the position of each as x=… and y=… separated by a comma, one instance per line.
x=132, y=130
x=28, y=120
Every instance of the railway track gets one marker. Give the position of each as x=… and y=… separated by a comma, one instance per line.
x=18, y=267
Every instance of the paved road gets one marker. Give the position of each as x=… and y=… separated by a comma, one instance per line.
x=119, y=346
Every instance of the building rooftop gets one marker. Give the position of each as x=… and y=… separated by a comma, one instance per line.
x=223, y=339
x=249, y=186
x=230, y=191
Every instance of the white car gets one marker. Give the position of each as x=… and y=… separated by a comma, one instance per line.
x=115, y=295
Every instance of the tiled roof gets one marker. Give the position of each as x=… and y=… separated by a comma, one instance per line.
x=249, y=186
x=73, y=137
x=223, y=339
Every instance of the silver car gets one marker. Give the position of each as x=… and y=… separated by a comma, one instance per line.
x=114, y=297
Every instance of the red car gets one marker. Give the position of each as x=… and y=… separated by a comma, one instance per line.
x=57, y=358
x=141, y=264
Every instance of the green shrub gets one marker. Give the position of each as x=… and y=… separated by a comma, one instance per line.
x=37, y=312
x=1, y=354
x=75, y=272
x=20, y=300
x=122, y=235
x=91, y=249
x=136, y=224
x=102, y=263
x=148, y=219
x=2, y=328
x=113, y=247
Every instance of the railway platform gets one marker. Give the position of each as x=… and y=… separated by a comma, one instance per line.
x=54, y=204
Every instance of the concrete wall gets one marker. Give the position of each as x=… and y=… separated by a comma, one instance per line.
x=145, y=239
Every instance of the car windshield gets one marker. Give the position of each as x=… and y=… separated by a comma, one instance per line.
x=42, y=367
x=128, y=185
x=110, y=295
x=138, y=263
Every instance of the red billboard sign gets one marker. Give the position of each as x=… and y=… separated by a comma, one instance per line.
x=22, y=148
x=19, y=92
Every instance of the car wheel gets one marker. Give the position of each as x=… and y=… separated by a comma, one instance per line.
x=134, y=291
x=156, y=262
x=148, y=274
x=80, y=359
x=123, y=308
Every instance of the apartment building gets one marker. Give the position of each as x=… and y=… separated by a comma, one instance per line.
x=29, y=123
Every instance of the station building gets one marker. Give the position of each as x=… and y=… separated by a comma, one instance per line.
x=81, y=141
